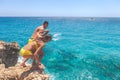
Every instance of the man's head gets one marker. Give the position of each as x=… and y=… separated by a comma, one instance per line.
x=45, y=24
x=47, y=38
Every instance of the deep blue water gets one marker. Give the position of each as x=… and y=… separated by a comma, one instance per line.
x=81, y=49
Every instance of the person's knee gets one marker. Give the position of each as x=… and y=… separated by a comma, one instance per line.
x=27, y=56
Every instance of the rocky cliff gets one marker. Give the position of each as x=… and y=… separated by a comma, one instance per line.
x=9, y=53
x=22, y=73
x=11, y=70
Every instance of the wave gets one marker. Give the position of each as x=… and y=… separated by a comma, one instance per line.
x=87, y=75
x=52, y=77
x=56, y=37
x=20, y=60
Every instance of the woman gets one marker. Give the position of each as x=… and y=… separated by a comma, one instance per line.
x=32, y=49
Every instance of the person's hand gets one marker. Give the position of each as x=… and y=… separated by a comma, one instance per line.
x=47, y=31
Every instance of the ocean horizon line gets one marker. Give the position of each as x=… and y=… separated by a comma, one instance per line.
x=61, y=16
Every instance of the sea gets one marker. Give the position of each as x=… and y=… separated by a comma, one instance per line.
x=82, y=48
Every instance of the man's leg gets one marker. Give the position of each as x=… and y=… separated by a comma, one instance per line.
x=38, y=59
x=41, y=54
x=34, y=62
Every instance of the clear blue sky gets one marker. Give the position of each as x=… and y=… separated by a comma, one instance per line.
x=72, y=8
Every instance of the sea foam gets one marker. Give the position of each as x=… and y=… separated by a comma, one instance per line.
x=56, y=37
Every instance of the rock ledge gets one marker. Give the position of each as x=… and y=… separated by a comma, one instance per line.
x=9, y=53
x=22, y=73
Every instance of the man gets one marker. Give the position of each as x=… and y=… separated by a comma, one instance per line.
x=32, y=50
x=38, y=34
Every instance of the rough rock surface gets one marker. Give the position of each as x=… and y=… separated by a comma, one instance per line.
x=9, y=53
x=10, y=70
x=22, y=73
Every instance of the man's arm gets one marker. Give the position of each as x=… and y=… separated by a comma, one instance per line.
x=45, y=32
x=39, y=32
x=41, y=54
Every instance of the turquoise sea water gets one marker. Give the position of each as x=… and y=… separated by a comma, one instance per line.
x=81, y=49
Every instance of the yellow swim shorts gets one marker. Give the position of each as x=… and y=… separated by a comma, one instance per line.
x=24, y=52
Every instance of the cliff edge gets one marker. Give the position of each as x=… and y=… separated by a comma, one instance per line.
x=9, y=53
x=10, y=69
x=22, y=73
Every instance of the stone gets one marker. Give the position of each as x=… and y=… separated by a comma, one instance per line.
x=22, y=73
x=9, y=53
x=10, y=69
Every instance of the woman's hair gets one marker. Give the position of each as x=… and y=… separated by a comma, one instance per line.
x=47, y=38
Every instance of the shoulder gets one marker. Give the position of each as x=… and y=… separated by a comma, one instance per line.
x=39, y=28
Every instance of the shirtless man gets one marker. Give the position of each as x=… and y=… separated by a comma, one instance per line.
x=40, y=32
x=32, y=49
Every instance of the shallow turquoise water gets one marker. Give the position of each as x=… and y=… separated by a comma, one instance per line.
x=81, y=49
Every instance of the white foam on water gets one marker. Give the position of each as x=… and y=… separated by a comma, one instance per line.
x=87, y=75
x=56, y=37
x=52, y=77
x=20, y=60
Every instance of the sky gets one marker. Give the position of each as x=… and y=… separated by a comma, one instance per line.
x=60, y=8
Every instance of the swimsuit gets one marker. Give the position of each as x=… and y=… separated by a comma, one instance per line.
x=31, y=40
x=24, y=52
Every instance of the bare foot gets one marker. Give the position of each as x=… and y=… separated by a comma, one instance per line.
x=23, y=65
x=41, y=66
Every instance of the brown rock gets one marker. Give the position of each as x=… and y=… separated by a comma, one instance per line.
x=9, y=53
x=22, y=73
